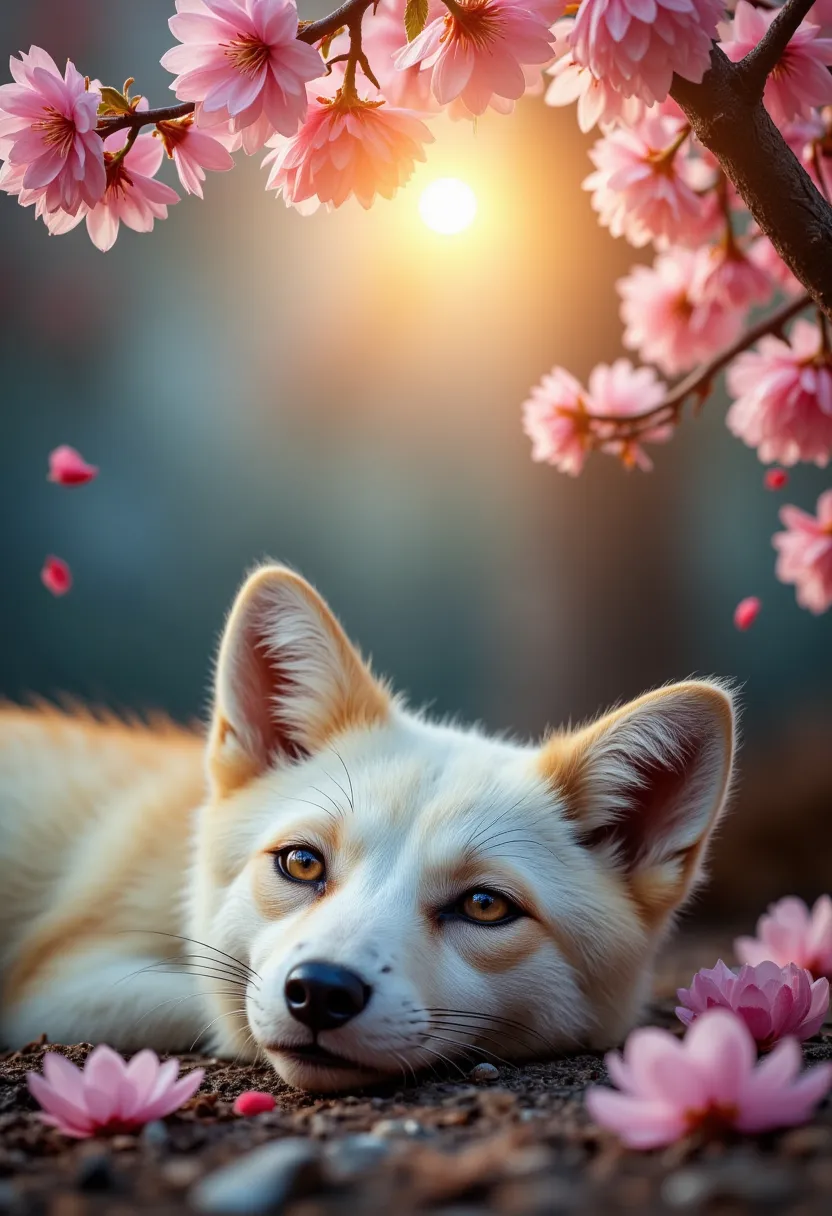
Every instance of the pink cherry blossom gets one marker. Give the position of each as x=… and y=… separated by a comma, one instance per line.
x=635, y=46
x=108, y=1094
x=193, y=152
x=800, y=80
x=622, y=390
x=783, y=392
x=773, y=1001
x=731, y=279
x=56, y=576
x=665, y=320
x=67, y=467
x=763, y=254
x=132, y=197
x=556, y=419
x=805, y=554
x=746, y=612
x=57, y=222
x=789, y=932
x=48, y=130
x=710, y=1081
x=408, y=89
x=775, y=479
x=477, y=51
x=242, y=62
x=597, y=101
x=347, y=147
x=638, y=189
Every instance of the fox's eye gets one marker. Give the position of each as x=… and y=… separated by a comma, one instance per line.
x=301, y=864
x=487, y=907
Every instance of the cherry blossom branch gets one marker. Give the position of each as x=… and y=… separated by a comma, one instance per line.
x=698, y=383
x=760, y=62
x=729, y=118
x=137, y=119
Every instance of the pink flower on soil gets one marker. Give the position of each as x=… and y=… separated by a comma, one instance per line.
x=746, y=612
x=665, y=320
x=621, y=391
x=478, y=50
x=783, y=392
x=132, y=197
x=790, y=932
x=47, y=129
x=731, y=279
x=805, y=555
x=772, y=1001
x=635, y=46
x=800, y=80
x=108, y=1094
x=56, y=576
x=711, y=1081
x=68, y=467
x=242, y=61
x=556, y=419
x=638, y=189
x=193, y=152
x=347, y=147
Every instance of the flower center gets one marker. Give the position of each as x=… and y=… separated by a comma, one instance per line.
x=174, y=132
x=476, y=23
x=57, y=130
x=247, y=53
x=118, y=179
x=713, y=1120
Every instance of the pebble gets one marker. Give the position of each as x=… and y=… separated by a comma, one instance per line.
x=181, y=1172
x=400, y=1127
x=155, y=1134
x=482, y=1074
x=355, y=1155
x=737, y=1179
x=94, y=1171
x=254, y=1102
x=262, y=1180
x=8, y=1195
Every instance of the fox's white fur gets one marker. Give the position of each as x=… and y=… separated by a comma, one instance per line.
x=142, y=904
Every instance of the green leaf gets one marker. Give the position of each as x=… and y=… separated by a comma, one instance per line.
x=113, y=102
x=415, y=18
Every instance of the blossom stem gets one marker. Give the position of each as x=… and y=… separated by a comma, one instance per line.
x=698, y=383
x=759, y=63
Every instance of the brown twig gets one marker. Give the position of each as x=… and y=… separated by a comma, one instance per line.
x=760, y=62
x=614, y=427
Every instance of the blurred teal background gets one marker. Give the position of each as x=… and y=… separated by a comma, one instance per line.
x=343, y=393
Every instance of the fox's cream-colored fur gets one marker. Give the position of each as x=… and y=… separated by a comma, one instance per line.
x=143, y=901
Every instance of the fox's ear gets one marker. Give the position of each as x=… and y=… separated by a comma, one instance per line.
x=645, y=786
x=288, y=680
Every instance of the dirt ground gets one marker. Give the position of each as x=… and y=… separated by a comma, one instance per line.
x=516, y=1142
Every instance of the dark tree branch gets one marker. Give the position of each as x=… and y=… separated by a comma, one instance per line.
x=142, y=118
x=772, y=183
x=758, y=64
x=698, y=383
x=314, y=31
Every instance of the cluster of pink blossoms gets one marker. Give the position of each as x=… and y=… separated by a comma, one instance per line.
x=711, y=1081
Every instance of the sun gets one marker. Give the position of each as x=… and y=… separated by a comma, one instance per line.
x=448, y=205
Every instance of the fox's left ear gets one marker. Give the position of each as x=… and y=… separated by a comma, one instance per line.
x=288, y=680
x=645, y=787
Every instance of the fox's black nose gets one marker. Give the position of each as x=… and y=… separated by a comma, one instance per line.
x=324, y=996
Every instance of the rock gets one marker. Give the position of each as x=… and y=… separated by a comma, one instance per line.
x=263, y=1180
x=739, y=1178
x=354, y=1155
x=482, y=1074
x=180, y=1172
x=95, y=1171
x=400, y=1127
x=122, y=1144
x=155, y=1135
x=8, y=1196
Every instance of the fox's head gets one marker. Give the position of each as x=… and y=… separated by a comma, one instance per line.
x=406, y=893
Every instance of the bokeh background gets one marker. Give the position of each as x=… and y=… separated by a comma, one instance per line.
x=343, y=392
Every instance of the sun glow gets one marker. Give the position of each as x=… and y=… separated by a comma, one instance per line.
x=447, y=205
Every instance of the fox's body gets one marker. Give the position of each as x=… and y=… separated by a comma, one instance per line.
x=336, y=882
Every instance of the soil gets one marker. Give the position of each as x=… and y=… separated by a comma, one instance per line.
x=516, y=1142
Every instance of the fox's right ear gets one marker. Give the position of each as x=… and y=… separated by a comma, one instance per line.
x=288, y=680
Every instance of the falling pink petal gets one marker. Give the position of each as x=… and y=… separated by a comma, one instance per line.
x=775, y=479
x=67, y=467
x=746, y=612
x=253, y=1102
x=56, y=576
